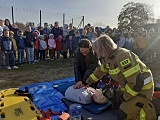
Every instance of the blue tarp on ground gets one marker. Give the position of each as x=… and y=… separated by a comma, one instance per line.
x=49, y=95
x=46, y=97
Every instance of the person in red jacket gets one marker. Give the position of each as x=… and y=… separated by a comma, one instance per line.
x=36, y=46
x=58, y=46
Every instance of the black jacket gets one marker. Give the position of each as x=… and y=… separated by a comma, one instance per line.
x=28, y=39
x=56, y=32
x=84, y=65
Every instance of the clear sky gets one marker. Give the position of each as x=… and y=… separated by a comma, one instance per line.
x=95, y=11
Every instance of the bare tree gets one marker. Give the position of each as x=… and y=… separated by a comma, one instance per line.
x=21, y=26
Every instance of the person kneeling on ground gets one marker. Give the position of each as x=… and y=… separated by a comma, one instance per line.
x=85, y=62
x=134, y=77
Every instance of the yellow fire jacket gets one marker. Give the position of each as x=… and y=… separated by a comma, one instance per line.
x=126, y=68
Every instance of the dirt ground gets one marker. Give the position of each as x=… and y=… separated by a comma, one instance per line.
x=39, y=72
x=48, y=71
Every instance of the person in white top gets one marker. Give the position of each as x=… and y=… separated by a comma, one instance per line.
x=42, y=47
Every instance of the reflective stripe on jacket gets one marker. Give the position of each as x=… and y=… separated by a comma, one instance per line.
x=126, y=68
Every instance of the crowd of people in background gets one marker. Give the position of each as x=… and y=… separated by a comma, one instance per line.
x=36, y=44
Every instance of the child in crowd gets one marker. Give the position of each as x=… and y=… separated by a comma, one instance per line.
x=11, y=34
x=95, y=36
x=52, y=46
x=42, y=47
x=36, y=46
x=71, y=30
x=21, y=46
x=70, y=46
x=46, y=40
x=7, y=48
x=2, y=56
x=90, y=33
x=98, y=31
x=64, y=47
x=129, y=41
x=29, y=44
x=76, y=39
x=84, y=34
x=65, y=30
x=58, y=46
x=46, y=29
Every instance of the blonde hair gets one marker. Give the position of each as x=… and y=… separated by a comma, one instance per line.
x=104, y=45
x=11, y=32
x=84, y=32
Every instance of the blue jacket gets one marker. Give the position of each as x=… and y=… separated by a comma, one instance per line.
x=20, y=42
x=75, y=42
x=46, y=31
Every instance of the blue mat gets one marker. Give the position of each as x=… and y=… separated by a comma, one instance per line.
x=97, y=108
x=62, y=87
x=93, y=107
x=107, y=114
x=49, y=95
x=46, y=97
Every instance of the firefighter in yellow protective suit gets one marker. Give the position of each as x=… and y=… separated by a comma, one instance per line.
x=134, y=77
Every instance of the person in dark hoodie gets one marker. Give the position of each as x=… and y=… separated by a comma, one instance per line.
x=29, y=44
x=56, y=31
x=85, y=62
x=8, y=50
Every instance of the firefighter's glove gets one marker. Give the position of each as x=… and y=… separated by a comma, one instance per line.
x=108, y=91
x=89, y=81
